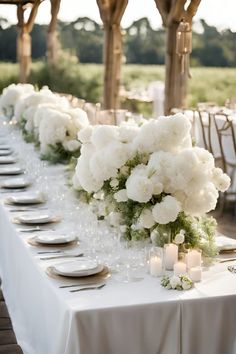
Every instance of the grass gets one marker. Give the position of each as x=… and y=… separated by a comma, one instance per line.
x=85, y=81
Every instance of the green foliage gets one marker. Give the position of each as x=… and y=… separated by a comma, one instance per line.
x=57, y=153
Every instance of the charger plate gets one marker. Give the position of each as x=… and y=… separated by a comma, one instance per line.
x=32, y=241
x=90, y=279
x=35, y=219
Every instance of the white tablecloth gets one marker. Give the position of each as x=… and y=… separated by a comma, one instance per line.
x=136, y=318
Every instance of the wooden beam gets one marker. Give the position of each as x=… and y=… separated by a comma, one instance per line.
x=111, y=12
x=53, y=45
x=24, y=39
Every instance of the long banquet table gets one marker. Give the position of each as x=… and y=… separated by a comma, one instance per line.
x=137, y=317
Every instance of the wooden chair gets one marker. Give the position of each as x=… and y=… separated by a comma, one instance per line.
x=226, y=133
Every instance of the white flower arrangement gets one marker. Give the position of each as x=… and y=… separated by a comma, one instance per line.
x=58, y=129
x=11, y=95
x=177, y=282
x=154, y=178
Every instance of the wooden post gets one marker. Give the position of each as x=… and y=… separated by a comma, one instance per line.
x=53, y=45
x=172, y=12
x=111, y=12
x=24, y=39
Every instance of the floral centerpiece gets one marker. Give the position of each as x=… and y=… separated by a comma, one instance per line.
x=58, y=129
x=150, y=182
x=11, y=95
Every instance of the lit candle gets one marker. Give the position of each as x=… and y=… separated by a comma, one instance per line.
x=195, y=273
x=155, y=264
x=194, y=259
x=180, y=268
x=171, y=256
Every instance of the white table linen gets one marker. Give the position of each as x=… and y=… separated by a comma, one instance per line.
x=136, y=318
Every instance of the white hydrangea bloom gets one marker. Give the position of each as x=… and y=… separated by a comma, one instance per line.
x=201, y=201
x=146, y=219
x=121, y=196
x=186, y=285
x=139, y=187
x=167, y=210
x=85, y=178
x=102, y=135
x=84, y=135
x=11, y=95
x=220, y=179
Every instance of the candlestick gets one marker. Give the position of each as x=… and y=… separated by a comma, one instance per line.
x=195, y=274
x=171, y=255
x=180, y=268
x=194, y=259
x=155, y=266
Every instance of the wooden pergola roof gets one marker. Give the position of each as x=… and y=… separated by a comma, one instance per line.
x=16, y=2
x=111, y=12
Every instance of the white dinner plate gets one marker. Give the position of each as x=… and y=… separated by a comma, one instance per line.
x=5, y=152
x=10, y=170
x=5, y=147
x=35, y=218
x=7, y=159
x=25, y=198
x=78, y=268
x=18, y=182
x=54, y=239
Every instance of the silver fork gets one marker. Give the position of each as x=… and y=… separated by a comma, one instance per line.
x=61, y=256
x=34, y=229
x=92, y=287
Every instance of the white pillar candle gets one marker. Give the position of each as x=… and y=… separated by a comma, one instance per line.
x=194, y=259
x=180, y=268
x=195, y=273
x=155, y=264
x=171, y=256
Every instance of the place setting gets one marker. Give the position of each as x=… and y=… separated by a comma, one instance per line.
x=15, y=184
x=87, y=274
x=26, y=198
x=5, y=151
x=11, y=170
x=7, y=160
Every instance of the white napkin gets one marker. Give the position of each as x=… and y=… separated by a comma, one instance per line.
x=225, y=243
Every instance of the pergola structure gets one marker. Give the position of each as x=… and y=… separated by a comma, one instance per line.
x=25, y=27
x=173, y=13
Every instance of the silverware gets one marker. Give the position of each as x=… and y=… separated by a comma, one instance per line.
x=13, y=190
x=92, y=287
x=26, y=209
x=82, y=284
x=232, y=269
x=55, y=251
x=34, y=229
x=227, y=260
x=61, y=256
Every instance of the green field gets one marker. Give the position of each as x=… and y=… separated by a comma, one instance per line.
x=85, y=81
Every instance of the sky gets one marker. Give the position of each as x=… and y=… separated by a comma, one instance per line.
x=219, y=13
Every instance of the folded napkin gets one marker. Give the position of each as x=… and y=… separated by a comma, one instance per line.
x=225, y=243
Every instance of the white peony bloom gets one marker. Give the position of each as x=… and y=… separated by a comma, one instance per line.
x=84, y=135
x=139, y=187
x=121, y=196
x=167, y=210
x=146, y=219
x=102, y=135
x=85, y=178
x=175, y=281
x=220, y=179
